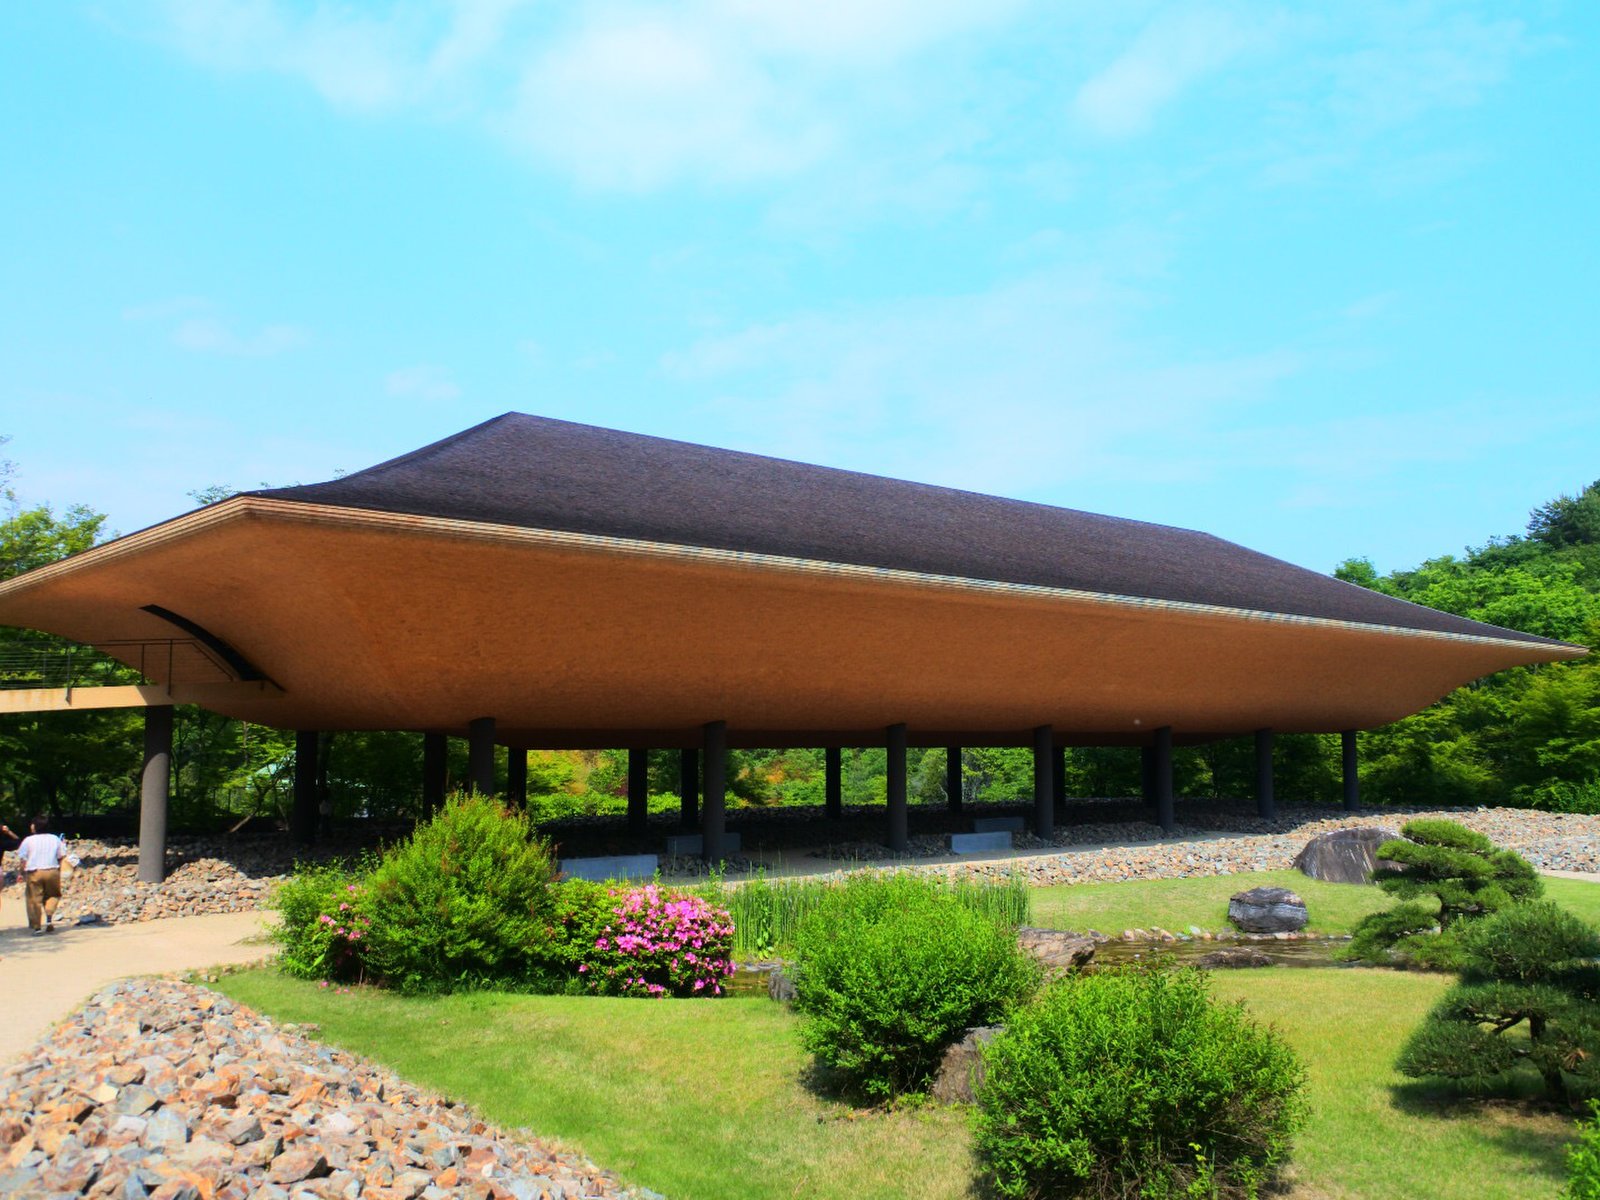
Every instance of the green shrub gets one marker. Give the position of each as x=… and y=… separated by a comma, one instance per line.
x=1446, y=874
x=1528, y=969
x=1136, y=1083
x=891, y=969
x=320, y=926
x=1564, y=796
x=465, y=902
x=1583, y=1160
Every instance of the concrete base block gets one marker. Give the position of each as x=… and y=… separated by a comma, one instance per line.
x=617, y=866
x=693, y=843
x=997, y=825
x=980, y=843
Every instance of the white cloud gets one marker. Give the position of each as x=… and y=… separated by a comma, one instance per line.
x=194, y=325
x=210, y=335
x=639, y=102
x=422, y=382
x=1018, y=389
x=1171, y=54
x=909, y=108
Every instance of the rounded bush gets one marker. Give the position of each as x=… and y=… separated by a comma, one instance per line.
x=465, y=902
x=889, y=972
x=1136, y=1083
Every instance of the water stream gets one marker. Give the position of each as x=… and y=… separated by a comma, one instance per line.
x=751, y=978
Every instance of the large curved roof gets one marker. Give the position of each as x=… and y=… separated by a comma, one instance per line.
x=586, y=587
x=537, y=473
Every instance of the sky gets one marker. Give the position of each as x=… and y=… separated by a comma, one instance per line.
x=1320, y=279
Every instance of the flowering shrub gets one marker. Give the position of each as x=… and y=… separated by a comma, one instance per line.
x=652, y=941
x=323, y=926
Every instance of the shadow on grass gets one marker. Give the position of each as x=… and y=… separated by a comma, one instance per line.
x=1519, y=1120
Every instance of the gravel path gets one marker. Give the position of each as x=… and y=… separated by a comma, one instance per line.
x=170, y=1091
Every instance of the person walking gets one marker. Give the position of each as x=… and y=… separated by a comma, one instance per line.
x=41, y=853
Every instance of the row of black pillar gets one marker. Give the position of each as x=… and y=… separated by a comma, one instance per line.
x=704, y=800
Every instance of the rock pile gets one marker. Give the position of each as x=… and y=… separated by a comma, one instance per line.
x=205, y=875
x=1231, y=845
x=169, y=1091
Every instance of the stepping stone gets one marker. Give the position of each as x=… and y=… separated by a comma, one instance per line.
x=997, y=825
x=693, y=843
x=979, y=843
x=616, y=866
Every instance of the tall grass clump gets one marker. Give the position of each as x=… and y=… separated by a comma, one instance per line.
x=768, y=913
x=890, y=971
x=1136, y=1083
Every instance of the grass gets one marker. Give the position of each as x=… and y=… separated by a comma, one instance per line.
x=694, y=1098
x=1374, y=1133
x=1175, y=904
x=703, y=1099
x=708, y=1100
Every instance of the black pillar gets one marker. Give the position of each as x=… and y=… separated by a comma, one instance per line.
x=435, y=760
x=517, y=776
x=833, y=783
x=1044, y=790
x=1163, y=772
x=689, y=788
x=303, y=822
x=715, y=772
x=1266, y=802
x=1058, y=779
x=952, y=777
x=155, y=786
x=480, y=755
x=638, y=791
x=1352, y=777
x=899, y=836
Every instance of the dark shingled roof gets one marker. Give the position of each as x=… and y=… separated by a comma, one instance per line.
x=537, y=473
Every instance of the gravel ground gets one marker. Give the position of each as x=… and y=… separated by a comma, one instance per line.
x=211, y=875
x=1229, y=845
x=170, y=1091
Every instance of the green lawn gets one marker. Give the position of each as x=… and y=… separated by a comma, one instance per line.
x=694, y=1098
x=702, y=1099
x=1175, y=904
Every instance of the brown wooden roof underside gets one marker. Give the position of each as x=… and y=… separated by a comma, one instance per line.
x=381, y=621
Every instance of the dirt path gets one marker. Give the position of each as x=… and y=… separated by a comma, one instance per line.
x=42, y=979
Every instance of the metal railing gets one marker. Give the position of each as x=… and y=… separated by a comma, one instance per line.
x=66, y=665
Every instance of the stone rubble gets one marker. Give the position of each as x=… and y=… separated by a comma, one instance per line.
x=1231, y=845
x=216, y=874
x=161, y=1090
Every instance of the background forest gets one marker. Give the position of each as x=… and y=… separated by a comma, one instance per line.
x=1528, y=737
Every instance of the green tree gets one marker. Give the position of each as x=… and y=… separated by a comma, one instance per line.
x=1529, y=968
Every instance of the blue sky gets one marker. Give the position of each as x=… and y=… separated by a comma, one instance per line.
x=1321, y=279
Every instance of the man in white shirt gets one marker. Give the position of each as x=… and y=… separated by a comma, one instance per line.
x=41, y=853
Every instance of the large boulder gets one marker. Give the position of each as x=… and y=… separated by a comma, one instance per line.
x=1233, y=956
x=1344, y=855
x=961, y=1070
x=1056, y=949
x=1267, y=910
